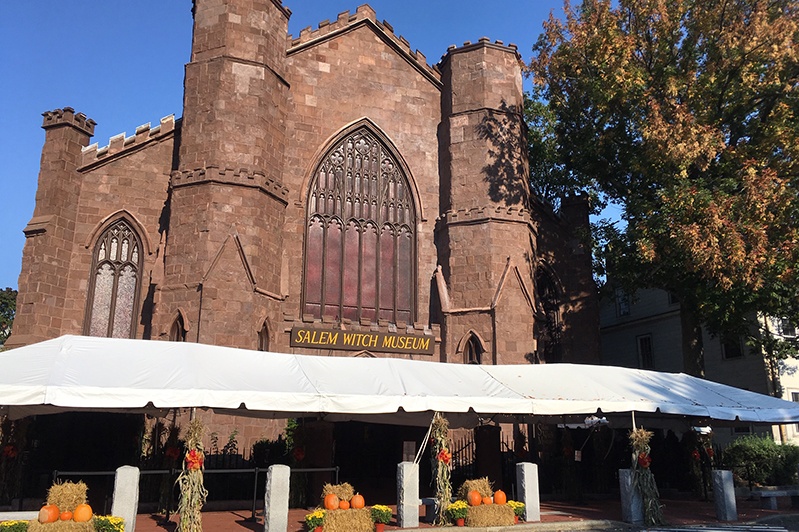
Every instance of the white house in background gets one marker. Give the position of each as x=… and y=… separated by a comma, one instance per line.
x=643, y=331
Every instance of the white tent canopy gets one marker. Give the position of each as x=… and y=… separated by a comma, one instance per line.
x=74, y=373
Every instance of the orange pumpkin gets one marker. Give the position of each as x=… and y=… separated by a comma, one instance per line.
x=474, y=498
x=343, y=505
x=66, y=516
x=49, y=513
x=357, y=501
x=487, y=500
x=82, y=513
x=500, y=497
x=331, y=501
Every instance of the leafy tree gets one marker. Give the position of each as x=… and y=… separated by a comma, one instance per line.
x=684, y=112
x=8, y=307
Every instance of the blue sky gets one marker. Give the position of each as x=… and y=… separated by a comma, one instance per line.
x=121, y=64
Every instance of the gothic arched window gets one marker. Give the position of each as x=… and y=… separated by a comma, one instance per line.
x=263, y=338
x=473, y=351
x=116, y=282
x=360, y=234
x=177, y=333
x=549, y=330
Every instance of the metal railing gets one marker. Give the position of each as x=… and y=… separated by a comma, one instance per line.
x=173, y=473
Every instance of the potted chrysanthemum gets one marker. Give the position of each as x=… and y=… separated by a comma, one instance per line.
x=518, y=509
x=381, y=515
x=456, y=511
x=315, y=519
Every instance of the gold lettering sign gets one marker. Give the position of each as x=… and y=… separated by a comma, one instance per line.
x=361, y=341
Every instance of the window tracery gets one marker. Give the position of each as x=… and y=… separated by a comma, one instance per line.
x=360, y=234
x=116, y=283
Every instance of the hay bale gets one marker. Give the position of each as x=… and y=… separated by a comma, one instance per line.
x=489, y=515
x=67, y=495
x=343, y=491
x=482, y=485
x=352, y=520
x=61, y=526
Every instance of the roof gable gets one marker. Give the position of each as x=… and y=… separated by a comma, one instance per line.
x=365, y=16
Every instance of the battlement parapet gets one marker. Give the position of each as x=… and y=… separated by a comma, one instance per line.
x=231, y=176
x=346, y=20
x=120, y=143
x=68, y=116
x=485, y=213
x=482, y=42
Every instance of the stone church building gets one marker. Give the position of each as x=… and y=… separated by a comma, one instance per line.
x=329, y=182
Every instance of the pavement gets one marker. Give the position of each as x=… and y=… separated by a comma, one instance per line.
x=600, y=515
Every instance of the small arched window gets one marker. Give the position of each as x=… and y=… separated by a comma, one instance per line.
x=113, y=298
x=177, y=333
x=263, y=338
x=360, y=236
x=473, y=351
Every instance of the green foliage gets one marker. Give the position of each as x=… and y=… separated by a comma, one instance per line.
x=685, y=114
x=8, y=309
x=267, y=452
x=14, y=526
x=761, y=461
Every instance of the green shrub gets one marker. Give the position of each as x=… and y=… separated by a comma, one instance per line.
x=787, y=469
x=760, y=460
x=267, y=452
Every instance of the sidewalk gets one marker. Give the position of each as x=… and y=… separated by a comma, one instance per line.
x=555, y=516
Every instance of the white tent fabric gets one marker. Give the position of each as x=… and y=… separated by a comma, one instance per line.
x=85, y=373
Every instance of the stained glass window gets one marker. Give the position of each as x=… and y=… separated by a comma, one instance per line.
x=116, y=283
x=360, y=258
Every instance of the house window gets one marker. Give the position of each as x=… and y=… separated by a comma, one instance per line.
x=178, y=331
x=645, y=358
x=116, y=282
x=622, y=303
x=732, y=347
x=673, y=299
x=360, y=258
x=787, y=328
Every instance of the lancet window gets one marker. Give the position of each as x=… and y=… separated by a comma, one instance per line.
x=360, y=234
x=549, y=330
x=116, y=283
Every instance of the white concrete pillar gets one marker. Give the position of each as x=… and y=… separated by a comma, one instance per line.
x=408, y=495
x=724, y=496
x=276, y=498
x=632, y=504
x=527, y=487
x=126, y=496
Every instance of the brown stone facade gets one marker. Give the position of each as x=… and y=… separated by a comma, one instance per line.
x=223, y=200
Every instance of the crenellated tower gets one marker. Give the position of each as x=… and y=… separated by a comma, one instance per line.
x=485, y=233
x=224, y=244
x=50, y=233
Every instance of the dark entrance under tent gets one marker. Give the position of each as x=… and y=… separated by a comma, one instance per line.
x=368, y=454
